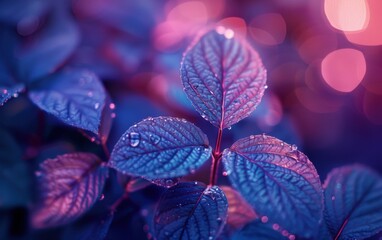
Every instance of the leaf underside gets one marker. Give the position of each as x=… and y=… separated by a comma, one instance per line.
x=353, y=206
x=190, y=211
x=278, y=181
x=161, y=147
x=223, y=77
x=259, y=231
x=70, y=184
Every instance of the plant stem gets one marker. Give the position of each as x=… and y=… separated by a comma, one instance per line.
x=216, y=157
x=105, y=150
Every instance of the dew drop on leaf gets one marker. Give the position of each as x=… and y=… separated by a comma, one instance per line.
x=135, y=139
x=155, y=139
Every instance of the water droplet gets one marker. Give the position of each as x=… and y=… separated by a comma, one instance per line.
x=219, y=219
x=196, y=183
x=113, y=115
x=225, y=174
x=184, y=120
x=229, y=128
x=155, y=139
x=264, y=219
x=38, y=173
x=264, y=136
x=96, y=106
x=266, y=87
x=292, y=237
x=112, y=106
x=90, y=94
x=5, y=91
x=252, y=137
x=275, y=226
x=135, y=139
x=192, y=171
x=92, y=139
x=102, y=197
x=210, y=238
x=294, y=147
x=15, y=95
x=333, y=198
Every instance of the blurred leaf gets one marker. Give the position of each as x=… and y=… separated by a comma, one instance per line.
x=223, y=77
x=161, y=147
x=76, y=97
x=22, y=11
x=190, y=211
x=94, y=229
x=353, y=206
x=239, y=211
x=278, y=181
x=14, y=176
x=70, y=184
x=49, y=49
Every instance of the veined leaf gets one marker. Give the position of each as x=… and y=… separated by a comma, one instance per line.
x=190, y=211
x=259, y=231
x=48, y=50
x=239, y=211
x=353, y=202
x=76, y=97
x=278, y=181
x=223, y=77
x=161, y=147
x=70, y=184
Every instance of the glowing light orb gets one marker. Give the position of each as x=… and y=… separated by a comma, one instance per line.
x=344, y=69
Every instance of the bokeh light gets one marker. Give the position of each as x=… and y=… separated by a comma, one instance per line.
x=344, y=69
x=268, y=29
x=347, y=15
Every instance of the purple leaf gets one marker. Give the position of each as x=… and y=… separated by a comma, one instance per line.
x=353, y=202
x=190, y=211
x=279, y=182
x=161, y=147
x=223, y=77
x=76, y=97
x=70, y=184
x=52, y=47
x=239, y=211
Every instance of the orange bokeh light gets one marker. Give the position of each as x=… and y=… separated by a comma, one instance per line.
x=344, y=69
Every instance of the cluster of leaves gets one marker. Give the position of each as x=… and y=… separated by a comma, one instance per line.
x=275, y=191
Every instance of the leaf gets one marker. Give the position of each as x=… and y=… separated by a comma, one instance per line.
x=14, y=176
x=239, y=211
x=353, y=206
x=6, y=93
x=161, y=147
x=278, y=181
x=76, y=97
x=223, y=77
x=70, y=184
x=259, y=231
x=94, y=229
x=48, y=50
x=190, y=211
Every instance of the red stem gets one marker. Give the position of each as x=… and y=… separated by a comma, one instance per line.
x=216, y=157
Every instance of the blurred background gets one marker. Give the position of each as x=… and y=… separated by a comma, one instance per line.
x=323, y=58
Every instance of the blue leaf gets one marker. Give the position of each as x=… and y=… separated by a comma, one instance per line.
x=353, y=202
x=190, y=211
x=76, y=97
x=8, y=92
x=94, y=229
x=259, y=231
x=239, y=211
x=278, y=181
x=223, y=77
x=22, y=12
x=161, y=147
x=14, y=176
x=70, y=184
x=52, y=47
